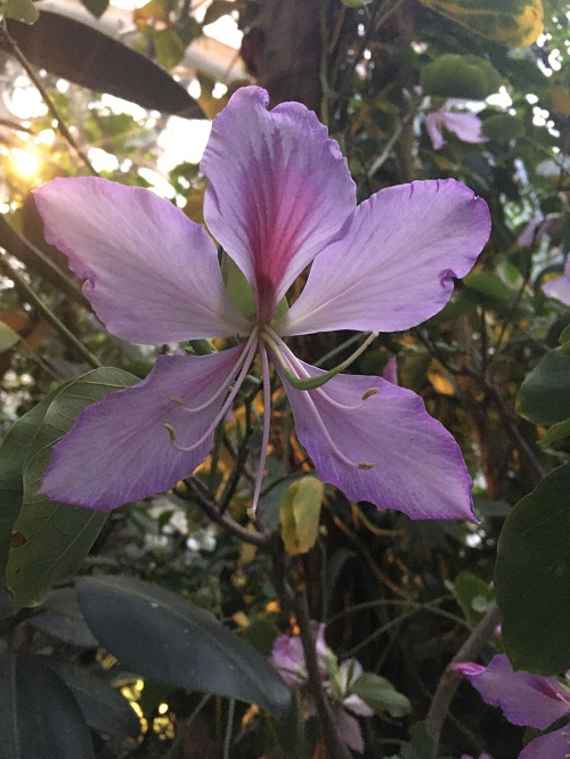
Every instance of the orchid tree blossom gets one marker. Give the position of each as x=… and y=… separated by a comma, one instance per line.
x=338, y=679
x=525, y=699
x=279, y=198
x=559, y=287
x=465, y=126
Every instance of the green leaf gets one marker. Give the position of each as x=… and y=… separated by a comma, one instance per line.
x=96, y=7
x=491, y=287
x=422, y=744
x=464, y=76
x=533, y=577
x=21, y=10
x=218, y=9
x=299, y=514
x=8, y=338
x=103, y=708
x=544, y=396
x=515, y=23
x=502, y=127
x=54, y=538
x=39, y=717
x=381, y=695
x=473, y=594
x=190, y=648
x=169, y=48
x=13, y=454
x=556, y=433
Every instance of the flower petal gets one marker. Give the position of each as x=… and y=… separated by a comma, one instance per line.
x=150, y=273
x=392, y=266
x=288, y=657
x=466, y=126
x=118, y=449
x=554, y=745
x=525, y=699
x=349, y=730
x=278, y=190
x=434, y=124
x=558, y=288
x=376, y=442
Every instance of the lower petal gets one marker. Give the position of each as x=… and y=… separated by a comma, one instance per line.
x=554, y=745
x=376, y=442
x=349, y=730
x=119, y=449
x=558, y=288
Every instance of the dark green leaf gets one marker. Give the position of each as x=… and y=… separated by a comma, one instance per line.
x=190, y=649
x=61, y=618
x=21, y=10
x=462, y=76
x=39, y=716
x=533, y=577
x=54, y=538
x=473, y=595
x=544, y=396
x=218, y=9
x=96, y=7
x=503, y=127
x=104, y=709
x=8, y=338
x=556, y=433
x=489, y=286
x=381, y=695
x=68, y=48
x=169, y=48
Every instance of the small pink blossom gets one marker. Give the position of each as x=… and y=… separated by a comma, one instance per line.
x=465, y=126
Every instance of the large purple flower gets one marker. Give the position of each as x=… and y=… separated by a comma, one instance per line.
x=524, y=699
x=279, y=198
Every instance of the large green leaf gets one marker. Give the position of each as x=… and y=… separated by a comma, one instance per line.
x=544, y=396
x=533, y=577
x=177, y=643
x=53, y=538
x=39, y=716
x=465, y=76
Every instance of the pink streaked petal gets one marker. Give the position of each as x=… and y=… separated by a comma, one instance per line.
x=288, y=657
x=151, y=274
x=554, y=745
x=349, y=730
x=525, y=699
x=356, y=705
x=559, y=288
x=393, y=264
x=278, y=190
x=387, y=449
x=118, y=449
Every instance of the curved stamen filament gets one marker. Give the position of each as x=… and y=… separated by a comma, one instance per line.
x=284, y=359
x=249, y=354
x=280, y=347
x=225, y=384
x=266, y=425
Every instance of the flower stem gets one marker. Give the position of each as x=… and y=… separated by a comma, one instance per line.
x=334, y=746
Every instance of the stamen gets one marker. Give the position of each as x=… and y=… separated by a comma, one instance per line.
x=225, y=384
x=337, y=452
x=266, y=426
x=249, y=353
x=281, y=347
x=312, y=383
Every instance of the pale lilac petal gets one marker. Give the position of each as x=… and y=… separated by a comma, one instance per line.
x=527, y=237
x=385, y=449
x=465, y=126
x=288, y=658
x=118, y=449
x=554, y=745
x=558, y=288
x=525, y=699
x=392, y=266
x=151, y=274
x=357, y=706
x=349, y=730
x=434, y=124
x=278, y=190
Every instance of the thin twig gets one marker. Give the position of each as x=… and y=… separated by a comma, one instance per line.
x=52, y=108
x=47, y=313
x=202, y=498
x=335, y=748
x=229, y=728
x=450, y=680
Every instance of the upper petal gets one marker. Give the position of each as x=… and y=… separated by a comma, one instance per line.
x=118, y=449
x=525, y=699
x=376, y=442
x=392, y=266
x=150, y=273
x=466, y=126
x=559, y=288
x=278, y=189
x=554, y=745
